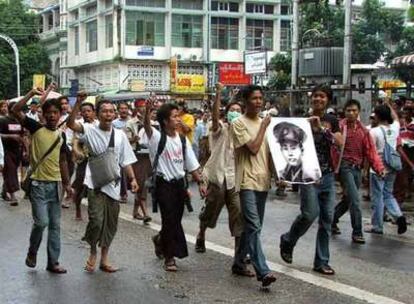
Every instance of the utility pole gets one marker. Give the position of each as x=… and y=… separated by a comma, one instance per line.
x=16, y=56
x=295, y=44
x=347, y=77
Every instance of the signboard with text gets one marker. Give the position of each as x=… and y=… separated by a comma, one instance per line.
x=189, y=84
x=39, y=81
x=255, y=63
x=144, y=51
x=232, y=74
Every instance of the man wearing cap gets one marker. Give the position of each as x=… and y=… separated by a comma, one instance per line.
x=142, y=168
x=33, y=114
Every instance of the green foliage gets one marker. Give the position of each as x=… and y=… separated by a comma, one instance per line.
x=375, y=29
x=411, y=13
x=280, y=66
x=405, y=47
x=22, y=26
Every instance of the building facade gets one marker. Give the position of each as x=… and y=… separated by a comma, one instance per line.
x=126, y=45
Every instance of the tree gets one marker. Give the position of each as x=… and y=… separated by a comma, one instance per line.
x=373, y=32
x=22, y=26
x=404, y=47
x=280, y=67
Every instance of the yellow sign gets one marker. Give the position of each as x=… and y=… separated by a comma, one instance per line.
x=137, y=85
x=189, y=84
x=390, y=84
x=39, y=81
x=173, y=72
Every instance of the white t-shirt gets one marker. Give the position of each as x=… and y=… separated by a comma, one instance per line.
x=98, y=141
x=391, y=133
x=170, y=163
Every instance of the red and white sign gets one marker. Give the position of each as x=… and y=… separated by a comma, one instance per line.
x=232, y=74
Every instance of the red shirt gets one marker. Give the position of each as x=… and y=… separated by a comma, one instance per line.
x=354, y=148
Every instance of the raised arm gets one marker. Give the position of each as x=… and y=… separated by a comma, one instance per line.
x=254, y=145
x=216, y=107
x=72, y=124
x=43, y=98
x=394, y=114
x=17, y=109
x=147, y=118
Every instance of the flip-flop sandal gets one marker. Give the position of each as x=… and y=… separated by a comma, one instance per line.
x=138, y=217
x=108, y=268
x=170, y=267
x=90, y=267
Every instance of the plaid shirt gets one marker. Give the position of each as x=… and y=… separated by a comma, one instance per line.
x=359, y=146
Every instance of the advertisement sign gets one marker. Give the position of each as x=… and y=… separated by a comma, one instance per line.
x=145, y=51
x=39, y=81
x=233, y=74
x=137, y=85
x=255, y=63
x=189, y=84
x=173, y=72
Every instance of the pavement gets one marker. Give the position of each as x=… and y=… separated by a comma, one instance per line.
x=381, y=271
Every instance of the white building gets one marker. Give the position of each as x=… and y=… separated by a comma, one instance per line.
x=114, y=44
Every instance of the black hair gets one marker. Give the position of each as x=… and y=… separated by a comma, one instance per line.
x=53, y=102
x=248, y=91
x=282, y=129
x=122, y=103
x=383, y=113
x=182, y=104
x=164, y=113
x=88, y=104
x=100, y=103
x=232, y=103
x=59, y=99
x=352, y=102
x=323, y=88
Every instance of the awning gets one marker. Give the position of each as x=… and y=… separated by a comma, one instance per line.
x=403, y=60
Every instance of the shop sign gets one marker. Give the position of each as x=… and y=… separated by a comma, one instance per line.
x=255, y=63
x=233, y=74
x=145, y=51
x=189, y=84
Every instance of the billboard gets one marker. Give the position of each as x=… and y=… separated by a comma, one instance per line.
x=189, y=84
x=233, y=74
x=255, y=63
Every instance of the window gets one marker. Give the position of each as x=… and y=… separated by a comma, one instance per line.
x=108, y=3
x=91, y=36
x=145, y=29
x=109, y=31
x=188, y=4
x=285, y=36
x=224, y=6
x=50, y=22
x=187, y=31
x=225, y=33
x=254, y=31
x=91, y=10
x=76, y=34
x=285, y=9
x=147, y=3
x=259, y=8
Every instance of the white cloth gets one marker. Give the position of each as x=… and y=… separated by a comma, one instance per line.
x=98, y=141
x=1, y=153
x=170, y=163
x=34, y=116
x=391, y=133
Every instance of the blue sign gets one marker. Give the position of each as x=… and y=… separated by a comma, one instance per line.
x=145, y=51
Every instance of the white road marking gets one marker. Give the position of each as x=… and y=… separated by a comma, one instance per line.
x=341, y=288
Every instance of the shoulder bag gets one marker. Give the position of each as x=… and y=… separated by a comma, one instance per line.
x=391, y=157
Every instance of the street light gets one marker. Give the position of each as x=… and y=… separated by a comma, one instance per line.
x=16, y=55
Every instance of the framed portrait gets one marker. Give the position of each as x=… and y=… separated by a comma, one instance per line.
x=293, y=150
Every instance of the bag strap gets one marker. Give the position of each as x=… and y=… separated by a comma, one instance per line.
x=42, y=159
x=161, y=146
x=385, y=136
x=112, y=139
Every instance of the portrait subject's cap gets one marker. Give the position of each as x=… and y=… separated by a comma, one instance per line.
x=287, y=132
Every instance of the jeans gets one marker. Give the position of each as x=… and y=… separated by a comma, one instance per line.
x=382, y=194
x=351, y=179
x=316, y=200
x=252, y=207
x=46, y=211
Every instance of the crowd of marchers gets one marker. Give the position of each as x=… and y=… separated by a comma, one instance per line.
x=104, y=151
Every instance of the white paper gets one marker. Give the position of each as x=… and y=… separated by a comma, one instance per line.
x=295, y=160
